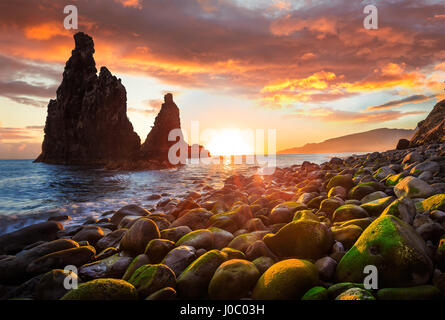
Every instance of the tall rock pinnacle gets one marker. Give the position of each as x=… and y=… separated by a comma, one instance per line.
x=87, y=123
x=156, y=146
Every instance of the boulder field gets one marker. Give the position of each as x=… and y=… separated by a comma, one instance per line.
x=305, y=232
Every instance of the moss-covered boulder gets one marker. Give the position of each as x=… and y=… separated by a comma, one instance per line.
x=426, y=292
x=395, y=179
x=316, y=293
x=436, y=202
x=402, y=208
x=349, y=212
x=305, y=239
x=233, y=280
x=284, y=212
x=413, y=187
x=103, y=289
x=150, y=278
x=286, y=280
x=376, y=207
x=394, y=248
x=355, y=294
x=198, y=239
x=343, y=180
x=139, y=235
x=194, y=280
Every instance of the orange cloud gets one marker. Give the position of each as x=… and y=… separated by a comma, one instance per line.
x=46, y=31
x=131, y=3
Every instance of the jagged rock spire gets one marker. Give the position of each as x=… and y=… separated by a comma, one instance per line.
x=87, y=123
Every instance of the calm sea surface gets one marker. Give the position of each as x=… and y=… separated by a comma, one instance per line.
x=31, y=192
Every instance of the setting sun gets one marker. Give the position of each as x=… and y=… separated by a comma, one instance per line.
x=228, y=142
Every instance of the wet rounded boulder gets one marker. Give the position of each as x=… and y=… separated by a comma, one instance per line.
x=286, y=280
x=139, y=235
x=103, y=289
x=233, y=280
x=305, y=239
x=194, y=281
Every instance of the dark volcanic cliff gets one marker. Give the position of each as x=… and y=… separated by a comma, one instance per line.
x=87, y=123
x=432, y=129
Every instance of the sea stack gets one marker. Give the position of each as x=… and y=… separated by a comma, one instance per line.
x=432, y=129
x=157, y=145
x=87, y=123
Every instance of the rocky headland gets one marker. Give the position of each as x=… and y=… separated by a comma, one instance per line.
x=87, y=123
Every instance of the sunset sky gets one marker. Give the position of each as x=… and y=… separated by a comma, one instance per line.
x=308, y=69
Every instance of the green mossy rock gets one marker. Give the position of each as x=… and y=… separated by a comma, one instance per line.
x=286, y=280
x=376, y=207
x=198, y=239
x=233, y=280
x=426, y=292
x=394, y=248
x=395, y=179
x=349, y=212
x=316, y=293
x=342, y=180
x=304, y=239
x=150, y=278
x=103, y=289
x=284, y=212
x=436, y=202
x=194, y=280
x=355, y=294
x=440, y=254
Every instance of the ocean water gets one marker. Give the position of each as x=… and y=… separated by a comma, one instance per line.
x=32, y=192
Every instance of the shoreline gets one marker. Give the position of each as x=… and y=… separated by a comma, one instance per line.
x=257, y=219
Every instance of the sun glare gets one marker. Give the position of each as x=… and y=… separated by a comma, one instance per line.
x=228, y=142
